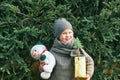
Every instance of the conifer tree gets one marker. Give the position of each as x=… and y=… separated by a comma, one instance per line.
x=78, y=45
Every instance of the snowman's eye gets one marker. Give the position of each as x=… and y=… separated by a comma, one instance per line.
x=35, y=50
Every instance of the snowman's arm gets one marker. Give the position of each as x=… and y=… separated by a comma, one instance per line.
x=51, y=63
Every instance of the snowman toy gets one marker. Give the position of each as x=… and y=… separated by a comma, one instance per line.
x=40, y=52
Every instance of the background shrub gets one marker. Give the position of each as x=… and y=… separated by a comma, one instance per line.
x=23, y=23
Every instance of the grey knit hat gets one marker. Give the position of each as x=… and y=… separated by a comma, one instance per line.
x=60, y=25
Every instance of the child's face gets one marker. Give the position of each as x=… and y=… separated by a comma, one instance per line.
x=66, y=35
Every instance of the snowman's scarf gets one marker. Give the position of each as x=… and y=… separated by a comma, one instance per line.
x=62, y=48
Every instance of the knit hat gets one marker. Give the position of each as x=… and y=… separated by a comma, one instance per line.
x=60, y=25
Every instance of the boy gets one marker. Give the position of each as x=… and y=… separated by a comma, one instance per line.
x=62, y=48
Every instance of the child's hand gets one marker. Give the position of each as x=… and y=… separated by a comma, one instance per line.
x=88, y=77
x=41, y=66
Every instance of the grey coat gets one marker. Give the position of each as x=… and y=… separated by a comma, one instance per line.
x=64, y=69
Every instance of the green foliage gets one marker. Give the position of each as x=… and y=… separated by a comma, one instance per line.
x=82, y=8
x=78, y=43
x=25, y=22
x=22, y=24
x=100, y=36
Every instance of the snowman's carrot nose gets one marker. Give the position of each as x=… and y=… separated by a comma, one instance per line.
x=34, y=53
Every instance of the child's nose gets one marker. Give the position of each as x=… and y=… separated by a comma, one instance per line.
x=67, y=34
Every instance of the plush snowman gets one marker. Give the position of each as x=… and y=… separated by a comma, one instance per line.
x=39, y=52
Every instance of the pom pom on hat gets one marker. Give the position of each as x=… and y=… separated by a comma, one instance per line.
x=60, y=25
x=41, y=45
x=38, y=43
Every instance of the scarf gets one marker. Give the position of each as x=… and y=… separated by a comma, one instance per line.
x=62, y=48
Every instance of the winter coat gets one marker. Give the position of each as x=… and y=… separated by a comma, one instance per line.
x=64, y=69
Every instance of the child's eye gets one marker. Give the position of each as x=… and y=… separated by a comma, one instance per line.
x=70, y=32
x=63, y=33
